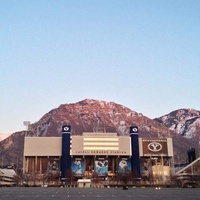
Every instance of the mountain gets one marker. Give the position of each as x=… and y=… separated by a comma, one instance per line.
x=92, y=116
x=12, y=149
x=185, y=122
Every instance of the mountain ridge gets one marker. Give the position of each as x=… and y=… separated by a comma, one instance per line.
x=185, y=122
x=3, y=136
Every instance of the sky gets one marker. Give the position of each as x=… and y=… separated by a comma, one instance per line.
x=142, y=54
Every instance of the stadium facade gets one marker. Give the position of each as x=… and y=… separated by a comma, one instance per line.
x=103, y=155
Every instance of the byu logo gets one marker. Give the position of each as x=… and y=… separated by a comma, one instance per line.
x=134, y=129
x=123, y=164
x=154, y=146
x=66, y=128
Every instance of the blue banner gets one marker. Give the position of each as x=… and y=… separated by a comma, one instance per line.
x=77, y=167
x=101, y=167
x=124, y=165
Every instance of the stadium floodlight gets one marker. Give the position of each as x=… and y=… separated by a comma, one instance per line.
x=26, y=123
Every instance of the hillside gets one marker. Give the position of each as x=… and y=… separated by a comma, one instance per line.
x=4, y=136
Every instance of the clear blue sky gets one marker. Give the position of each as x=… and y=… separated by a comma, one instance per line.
x=143, y=54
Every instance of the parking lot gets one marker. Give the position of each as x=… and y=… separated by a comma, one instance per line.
x=30, y=193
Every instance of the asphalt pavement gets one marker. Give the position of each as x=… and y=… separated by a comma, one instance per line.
x=50, y=193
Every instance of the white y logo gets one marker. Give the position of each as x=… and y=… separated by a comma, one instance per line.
x=154, y=146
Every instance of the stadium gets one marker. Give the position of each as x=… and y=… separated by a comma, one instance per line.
x=101, y=158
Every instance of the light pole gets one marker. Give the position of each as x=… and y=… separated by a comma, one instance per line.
x=26, y=123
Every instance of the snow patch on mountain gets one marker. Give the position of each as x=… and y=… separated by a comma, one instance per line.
x=122, y=128
x=189, y=129
x=185, y=122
